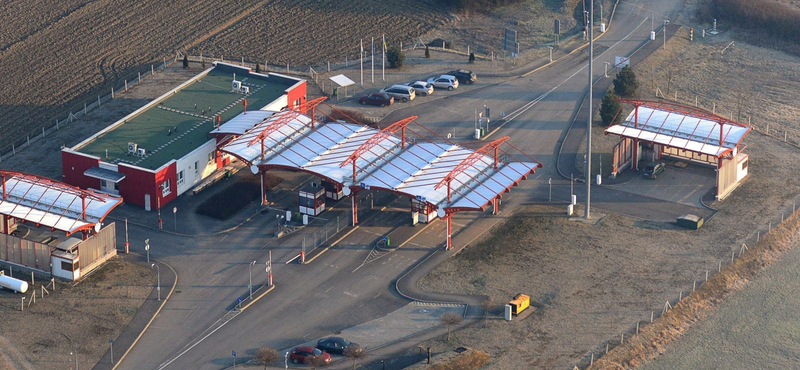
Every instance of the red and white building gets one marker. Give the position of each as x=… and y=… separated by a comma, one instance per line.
x=167, y=147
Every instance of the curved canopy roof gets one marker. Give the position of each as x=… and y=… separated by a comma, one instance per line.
x=53, y=204
x=360, y=156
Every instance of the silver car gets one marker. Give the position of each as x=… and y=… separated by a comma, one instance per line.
x=444, y=82
x=400, y=92
x=421, y=87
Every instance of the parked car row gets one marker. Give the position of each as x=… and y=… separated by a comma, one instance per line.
x=325, y=347
x=409, y=91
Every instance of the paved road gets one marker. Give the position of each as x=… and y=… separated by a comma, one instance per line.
x=314, y=300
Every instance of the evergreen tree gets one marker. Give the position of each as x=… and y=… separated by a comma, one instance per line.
x=625, y=84
x=610, y=109
x=427, y=52
x=472, y=57
x=185, y=61
x=395, y=57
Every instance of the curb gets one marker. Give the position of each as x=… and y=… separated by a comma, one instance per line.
x=257, y=298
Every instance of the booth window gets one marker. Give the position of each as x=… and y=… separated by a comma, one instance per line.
x=67, y=266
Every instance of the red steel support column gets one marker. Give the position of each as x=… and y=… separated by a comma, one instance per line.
x=495, y=158
x=449, y=232
x=403, y=137
x=635, y=163
x=312, y=119
x=355, y=208
x=4, y=218
x=448, y=191
x=263, y=189
x=495, y=203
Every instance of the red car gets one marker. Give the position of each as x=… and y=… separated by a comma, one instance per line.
x=299, y=354
x=380, y=99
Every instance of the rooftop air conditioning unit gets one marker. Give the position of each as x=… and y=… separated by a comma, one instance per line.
x=140, y=152
x=132, y=148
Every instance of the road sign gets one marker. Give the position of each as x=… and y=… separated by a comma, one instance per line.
x=239, y=299
x=233, y=353
x=364, y=186
x=620, y=62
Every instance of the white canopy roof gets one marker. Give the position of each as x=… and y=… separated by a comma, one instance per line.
x=244, y=121
x=342, y=80
x=680, y=130
x=52, y=204
x=414, y=171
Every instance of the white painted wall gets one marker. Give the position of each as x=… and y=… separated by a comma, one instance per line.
x=187, y=165
x=278, y=104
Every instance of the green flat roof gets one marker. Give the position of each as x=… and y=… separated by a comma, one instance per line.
x=180, y=123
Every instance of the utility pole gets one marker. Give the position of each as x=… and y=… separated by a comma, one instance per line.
x=588, y=175
x=361, y=59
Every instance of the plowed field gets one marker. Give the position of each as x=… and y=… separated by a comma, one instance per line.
x=55, y=55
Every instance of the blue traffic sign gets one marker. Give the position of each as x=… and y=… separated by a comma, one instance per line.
x=233, y=353
x=239, y=299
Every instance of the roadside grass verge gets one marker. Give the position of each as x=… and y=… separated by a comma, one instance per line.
x=654, y=338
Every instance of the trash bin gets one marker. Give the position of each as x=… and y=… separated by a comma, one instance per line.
x=336, y=91
x=483, y=132
x=228, y=174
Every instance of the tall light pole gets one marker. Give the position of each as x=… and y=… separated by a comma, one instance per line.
x=588, y=175
x=666, y=22
x=158, y=280
x=250, y=268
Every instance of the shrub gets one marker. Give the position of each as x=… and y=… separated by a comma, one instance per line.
x=185, y=61
x=395, y=57
x=472, y=57
x=427, y=52
x=610, y=109
x=258, y=68
x=625, y=84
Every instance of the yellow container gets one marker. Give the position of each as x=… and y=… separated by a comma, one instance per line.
x=520, y=303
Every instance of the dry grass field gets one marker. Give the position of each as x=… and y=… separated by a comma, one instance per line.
x=88, y=314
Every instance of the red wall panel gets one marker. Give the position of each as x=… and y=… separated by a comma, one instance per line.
x=73, y=165
x=299, y=92
x=139, y=182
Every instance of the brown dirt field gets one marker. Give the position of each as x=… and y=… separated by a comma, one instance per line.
x=79, y=49
x=590, y=284
x=88, y=313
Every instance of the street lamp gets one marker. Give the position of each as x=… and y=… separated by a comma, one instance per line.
x=158, y=280
x=147, y=249
x=250, y=268
x=666, y=22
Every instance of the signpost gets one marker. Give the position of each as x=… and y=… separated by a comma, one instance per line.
x=147, y=249
x=233, y=353
x=175, y=217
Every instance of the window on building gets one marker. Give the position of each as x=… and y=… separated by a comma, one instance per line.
x=67, y=266
x=298, y=102
x=196, y=166
x=181, y=178
x=744, y=165
x=211, y=158
x=165, y=188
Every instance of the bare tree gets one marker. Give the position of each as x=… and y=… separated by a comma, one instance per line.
x=267, y=356
x=486, y=305
x=355, y=353
x=315, y=361
x=450, y=319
